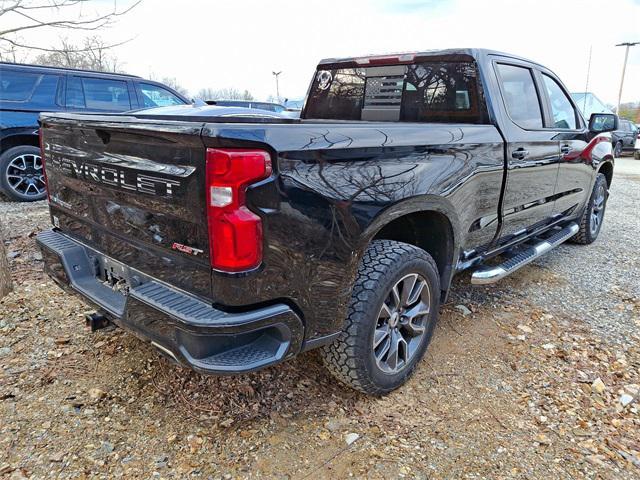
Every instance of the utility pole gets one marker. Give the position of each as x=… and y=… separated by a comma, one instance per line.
x=624, y=68
x=277, y=74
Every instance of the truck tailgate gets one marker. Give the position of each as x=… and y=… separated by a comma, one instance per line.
x=130, y=188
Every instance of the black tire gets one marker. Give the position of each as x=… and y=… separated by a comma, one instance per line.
x=32, y=187
x=593, y=216
x=636, y=154
x=352, y=358
x=617, y=149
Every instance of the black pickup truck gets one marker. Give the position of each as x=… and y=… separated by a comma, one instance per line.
x=236, y=242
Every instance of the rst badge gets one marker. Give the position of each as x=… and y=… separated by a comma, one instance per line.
x=186, y=249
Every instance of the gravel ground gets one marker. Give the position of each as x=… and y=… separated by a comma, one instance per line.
x=538, y=379
x=598, y=283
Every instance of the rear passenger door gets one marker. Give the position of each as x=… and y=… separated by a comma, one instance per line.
x=532, y=151
x=96, y=94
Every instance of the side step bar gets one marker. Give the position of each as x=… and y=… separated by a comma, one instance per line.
x=491, y=274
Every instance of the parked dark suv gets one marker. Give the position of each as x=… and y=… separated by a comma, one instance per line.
x=27, y=90
x=624, y=138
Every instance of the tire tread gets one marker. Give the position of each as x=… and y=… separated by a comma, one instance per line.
x=583, y=237
x=344, y=358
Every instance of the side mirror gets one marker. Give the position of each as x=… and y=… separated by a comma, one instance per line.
x=603, y=122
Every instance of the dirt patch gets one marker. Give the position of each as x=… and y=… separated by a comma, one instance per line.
x=503, y=392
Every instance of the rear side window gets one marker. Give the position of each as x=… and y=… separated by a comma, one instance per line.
x=156, y=96
x=520, y=96
x=17, y=86
x=98, y=94
x=447, y=92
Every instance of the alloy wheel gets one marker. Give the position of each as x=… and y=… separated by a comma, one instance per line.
x=25, y=176
x=617, y=151
x=401, y=323
x=597, y=211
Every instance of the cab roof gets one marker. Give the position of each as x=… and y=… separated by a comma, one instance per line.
x=404, y=58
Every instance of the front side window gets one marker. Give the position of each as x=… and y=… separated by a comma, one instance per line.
x=564, y=116
x=156, y=96
x=520, y=96
x=17, y=86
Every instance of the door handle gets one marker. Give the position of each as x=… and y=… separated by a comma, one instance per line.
x=566, y=149
x=520, y=154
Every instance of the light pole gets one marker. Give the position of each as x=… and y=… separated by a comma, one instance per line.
x=277, y=74
x=624, y=68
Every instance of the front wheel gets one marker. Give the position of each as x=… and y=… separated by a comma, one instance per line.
x=593, y=216
x=392, y=314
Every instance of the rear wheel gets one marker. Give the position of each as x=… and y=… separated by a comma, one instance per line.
x=636, y=154
x=593, y=216
x=392, y=314
x=21, y=174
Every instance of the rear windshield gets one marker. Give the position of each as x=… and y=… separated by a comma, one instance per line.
x=17, y=86
x=446, y=92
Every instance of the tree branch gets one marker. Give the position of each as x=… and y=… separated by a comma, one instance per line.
x=88, y=24
x=73, y=50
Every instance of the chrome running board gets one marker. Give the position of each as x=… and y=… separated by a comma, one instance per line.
x=491, y=274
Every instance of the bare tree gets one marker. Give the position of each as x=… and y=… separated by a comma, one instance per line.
x=20, y=17
x=173, y=83
x=5, y=274
x=94, y=54
x=224, y=94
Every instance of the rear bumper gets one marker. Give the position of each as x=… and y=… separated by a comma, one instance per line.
x=183, y=327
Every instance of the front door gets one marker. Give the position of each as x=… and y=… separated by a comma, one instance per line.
x=575, y=172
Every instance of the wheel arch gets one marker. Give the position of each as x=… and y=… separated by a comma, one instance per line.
x=17, y=140
x=408, y=223
x=606, y=168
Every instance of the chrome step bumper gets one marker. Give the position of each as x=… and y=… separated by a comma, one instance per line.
x=491, y=274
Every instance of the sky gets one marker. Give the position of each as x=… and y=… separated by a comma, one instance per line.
x=239, y=43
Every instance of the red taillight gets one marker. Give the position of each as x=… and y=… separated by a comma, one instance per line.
x=44, y=170
x=235, y=232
